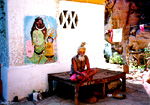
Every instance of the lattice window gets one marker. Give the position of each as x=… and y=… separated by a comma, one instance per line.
x=68, y=19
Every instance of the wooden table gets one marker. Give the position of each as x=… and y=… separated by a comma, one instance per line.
x=102, y=77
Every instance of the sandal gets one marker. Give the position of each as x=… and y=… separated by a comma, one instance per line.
x=119, y=96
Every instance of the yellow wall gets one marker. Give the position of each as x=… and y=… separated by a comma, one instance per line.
x=90, y=1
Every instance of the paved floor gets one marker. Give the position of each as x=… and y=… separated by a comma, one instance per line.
x=135, y=95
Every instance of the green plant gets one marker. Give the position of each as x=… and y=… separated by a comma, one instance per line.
x=141, y=67
x=147, y=51
x=116, y=59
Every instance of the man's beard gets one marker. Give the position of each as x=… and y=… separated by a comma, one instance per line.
x=81, y=58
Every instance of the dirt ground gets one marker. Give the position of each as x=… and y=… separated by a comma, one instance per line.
x=135, y=95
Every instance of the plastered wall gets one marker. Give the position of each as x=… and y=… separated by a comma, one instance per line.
x=17, y=11
x=22, y=79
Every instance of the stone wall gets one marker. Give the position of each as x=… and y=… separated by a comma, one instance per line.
x=128, y=15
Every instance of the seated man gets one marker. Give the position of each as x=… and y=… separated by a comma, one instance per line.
x=78, y=71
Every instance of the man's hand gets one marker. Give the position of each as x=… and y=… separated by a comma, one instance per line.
x=29, y=49
x=84, y=74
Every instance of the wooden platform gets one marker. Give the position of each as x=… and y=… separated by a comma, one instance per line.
x=102, y=77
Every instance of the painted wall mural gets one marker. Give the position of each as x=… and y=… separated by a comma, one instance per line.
x=40, y=39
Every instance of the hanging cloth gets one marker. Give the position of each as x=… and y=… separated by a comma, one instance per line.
x=111, y=37
x=142, y=27
x=116, y=35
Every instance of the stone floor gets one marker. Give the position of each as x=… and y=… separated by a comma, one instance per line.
x=135, y=95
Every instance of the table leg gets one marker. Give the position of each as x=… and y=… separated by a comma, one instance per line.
x=124, y=84
x=76, y=96
x=103, y=90
x=50, y=83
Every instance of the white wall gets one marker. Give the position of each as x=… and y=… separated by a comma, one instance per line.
x=90, y=29
x=22, y=79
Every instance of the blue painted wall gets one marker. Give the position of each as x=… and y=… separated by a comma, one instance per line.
x=4, y=47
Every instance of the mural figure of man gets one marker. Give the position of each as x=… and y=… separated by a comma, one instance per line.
x=40, y=40
x=79, y=62
x=38, y=37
